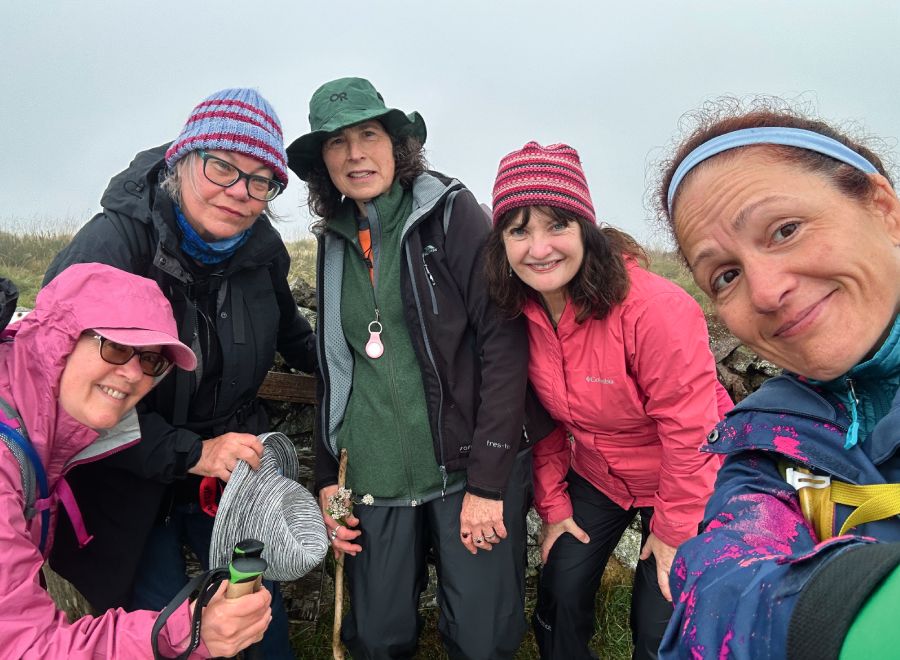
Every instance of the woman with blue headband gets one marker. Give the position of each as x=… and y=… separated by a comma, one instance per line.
x=792, y=229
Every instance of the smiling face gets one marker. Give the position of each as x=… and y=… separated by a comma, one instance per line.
x=97, y=393
x=545, y=253
x=360, y=161
x=805, y=275
x=214, y=212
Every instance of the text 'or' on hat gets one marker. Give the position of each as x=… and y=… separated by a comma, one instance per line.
x=345, y=102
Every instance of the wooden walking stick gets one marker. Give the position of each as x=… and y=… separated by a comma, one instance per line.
x=336, y=648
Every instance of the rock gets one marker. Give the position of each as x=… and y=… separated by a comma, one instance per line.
x=628, y=549
x=304, y=293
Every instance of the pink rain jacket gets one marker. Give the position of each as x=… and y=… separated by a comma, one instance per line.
x=637, y=392
x=83, y=297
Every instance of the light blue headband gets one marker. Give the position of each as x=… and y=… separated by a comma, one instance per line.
x=789, y=137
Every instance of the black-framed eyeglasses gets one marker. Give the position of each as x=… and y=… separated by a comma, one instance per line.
x=152, y=363
x=222, y=173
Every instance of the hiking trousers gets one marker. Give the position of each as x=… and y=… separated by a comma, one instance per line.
x=564, y=617
x=481, y=597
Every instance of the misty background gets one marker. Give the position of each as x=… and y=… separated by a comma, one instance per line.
x=85, y=85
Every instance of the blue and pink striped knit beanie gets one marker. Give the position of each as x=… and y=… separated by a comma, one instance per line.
x=542, y=176
x=238, y=120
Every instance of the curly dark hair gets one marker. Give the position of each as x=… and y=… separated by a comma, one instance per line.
x=729, y=114
x=325, y=199
x=600, y=284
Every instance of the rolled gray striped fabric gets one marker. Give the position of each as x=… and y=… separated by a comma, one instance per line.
x=270, y=506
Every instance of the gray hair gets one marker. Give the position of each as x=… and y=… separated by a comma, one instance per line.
x=171, y=183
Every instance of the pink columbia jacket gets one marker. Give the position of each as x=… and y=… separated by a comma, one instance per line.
x=637, y=392
x=84, y=296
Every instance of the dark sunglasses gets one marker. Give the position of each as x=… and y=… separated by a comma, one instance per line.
x=152, y=363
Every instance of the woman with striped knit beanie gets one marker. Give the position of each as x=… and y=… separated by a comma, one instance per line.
x=191, y=215
x=620, y=358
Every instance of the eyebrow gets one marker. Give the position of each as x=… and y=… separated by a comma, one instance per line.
x=253, y=172
x=737, y=225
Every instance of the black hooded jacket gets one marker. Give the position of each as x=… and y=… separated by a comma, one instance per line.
x=234, y=315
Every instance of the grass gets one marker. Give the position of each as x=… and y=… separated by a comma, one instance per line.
x=25, y=256
x=670, y=266
x=612, y=641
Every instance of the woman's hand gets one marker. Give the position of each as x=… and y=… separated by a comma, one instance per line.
x=665, y=555
x=552, y=531
x=220, y=455
x=481, y=523
x=232, y=624
x=339, y=533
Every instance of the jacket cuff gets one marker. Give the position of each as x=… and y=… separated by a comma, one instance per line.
x=672, y=534
x=556, y=513
x=325, y=482
x=187, y=454
x=843, y=584
x=488, y=494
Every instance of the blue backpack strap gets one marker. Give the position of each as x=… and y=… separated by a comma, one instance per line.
x=32, y=469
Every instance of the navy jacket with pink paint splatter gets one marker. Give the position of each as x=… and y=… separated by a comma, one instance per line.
x=735, y=586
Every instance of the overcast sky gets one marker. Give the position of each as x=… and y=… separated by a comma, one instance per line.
x=85, y=85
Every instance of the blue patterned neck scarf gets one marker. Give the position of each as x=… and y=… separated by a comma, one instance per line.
x=207, y=253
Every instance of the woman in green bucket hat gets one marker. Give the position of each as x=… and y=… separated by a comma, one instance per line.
x=424, y=384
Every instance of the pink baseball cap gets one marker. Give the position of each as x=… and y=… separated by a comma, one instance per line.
x=121, y=306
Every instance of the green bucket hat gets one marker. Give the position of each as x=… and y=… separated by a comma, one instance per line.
x=341, y=103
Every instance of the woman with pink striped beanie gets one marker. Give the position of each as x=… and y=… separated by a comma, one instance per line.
x=619, y=357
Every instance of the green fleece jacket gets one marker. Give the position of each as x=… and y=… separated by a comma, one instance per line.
x=385, y=429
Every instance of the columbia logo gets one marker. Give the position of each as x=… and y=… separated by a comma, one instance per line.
x=597, y=379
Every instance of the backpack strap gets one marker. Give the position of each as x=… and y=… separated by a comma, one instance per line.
x=819, y=494
x=14, y=436
x=448, y=208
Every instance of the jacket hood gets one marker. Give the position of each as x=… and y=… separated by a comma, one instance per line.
x=82, y=297
x=131, y=191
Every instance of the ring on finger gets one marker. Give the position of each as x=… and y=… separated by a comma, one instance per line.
x=478, y=539
x=334, y=533
x=491, y=536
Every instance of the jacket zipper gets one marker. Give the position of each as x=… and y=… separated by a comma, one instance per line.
x=443, y=464
x=430, y=249
x=440, y=409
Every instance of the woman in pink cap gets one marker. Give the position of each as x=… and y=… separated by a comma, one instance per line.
x=69, y=382
x=620, y=358
x=192, y=215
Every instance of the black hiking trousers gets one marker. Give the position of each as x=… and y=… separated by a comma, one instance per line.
x=481, y=597
x=564, y=618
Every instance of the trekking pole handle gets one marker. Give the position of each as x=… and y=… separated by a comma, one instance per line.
x=245, y=576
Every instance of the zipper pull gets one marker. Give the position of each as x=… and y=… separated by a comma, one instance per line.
x=374, y=347
x=852, y=401
x=443, y=471
x=429, y=249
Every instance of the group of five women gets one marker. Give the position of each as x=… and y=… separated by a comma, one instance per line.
x=468, y=366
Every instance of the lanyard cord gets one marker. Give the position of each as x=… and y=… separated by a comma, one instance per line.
x=205, y=584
